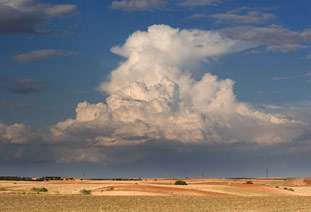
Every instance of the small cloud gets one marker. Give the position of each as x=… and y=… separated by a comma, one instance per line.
x=198, y=3
x=251, y=17
x=288, y=47
x=197, y=15
x=40, y=54
x=292, y=77
x=6, y=105
x=24, y=86
x=306, y=75
x=132, y=5
x=274, y=107
x=252, y=52
x=308, y=57
x=280, y=78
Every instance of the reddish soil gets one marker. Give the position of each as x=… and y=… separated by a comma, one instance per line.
x=261, y=188
x=307, y=181
x=173, y=190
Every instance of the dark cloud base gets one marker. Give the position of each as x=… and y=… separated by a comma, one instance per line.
x=165, y=160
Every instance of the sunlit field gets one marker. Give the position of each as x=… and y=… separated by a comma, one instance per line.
x=162, y=195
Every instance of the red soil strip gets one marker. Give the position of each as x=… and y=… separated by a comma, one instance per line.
x=178, y=191
x=261, y=188
x=307, y=181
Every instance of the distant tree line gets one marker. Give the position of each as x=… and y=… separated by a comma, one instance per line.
x=117, y=179
x=15, y=178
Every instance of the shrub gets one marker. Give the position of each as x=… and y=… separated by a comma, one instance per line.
x=86, y=192
x=277, y=186
x=111, y=188
x=39, y=189
x=249, y=182
x=180, y=182
x=291, y=189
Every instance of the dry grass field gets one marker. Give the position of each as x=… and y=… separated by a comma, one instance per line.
x=158, y=195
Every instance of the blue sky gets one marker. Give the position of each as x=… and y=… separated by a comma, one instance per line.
x=57, y=54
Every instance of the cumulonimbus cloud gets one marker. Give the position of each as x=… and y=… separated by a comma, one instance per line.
x=153, y=96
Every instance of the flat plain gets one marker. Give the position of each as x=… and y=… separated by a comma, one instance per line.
x=159, y=195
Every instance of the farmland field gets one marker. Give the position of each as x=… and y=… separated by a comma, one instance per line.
x=79, y=203
x=161, y=195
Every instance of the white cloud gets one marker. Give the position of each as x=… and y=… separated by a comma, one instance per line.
x=197, y=3
x=252, y=17
x=153, y=96
x=40, y=54
x=26, y=16
x=131, y=5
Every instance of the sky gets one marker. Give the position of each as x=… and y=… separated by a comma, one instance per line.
x=155, y=88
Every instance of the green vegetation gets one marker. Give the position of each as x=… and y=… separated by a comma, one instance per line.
x=85, y=192
x=35, y=189
x=249, y=182
x=289, y=189
x=180, y=182
x=111, y=188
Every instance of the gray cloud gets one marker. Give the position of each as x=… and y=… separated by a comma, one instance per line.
x=288, y=47
x=26, y=16
x=197, y=15
x=159, y=159
x=6, y=105
x=19, y=134
x=252, y=17
x=40, y=54
x=273, y=34
x=198, y=3
x=305, y=77
x=131, y=5
x=280, y=78
x=23, y=86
